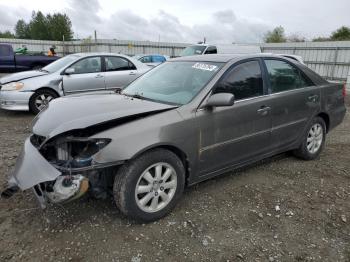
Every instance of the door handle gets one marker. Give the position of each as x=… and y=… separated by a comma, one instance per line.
x=98, y=76
x=132, y=73
x=312, y=98
x=264, y=110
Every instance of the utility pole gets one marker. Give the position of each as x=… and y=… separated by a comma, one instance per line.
x=63, y=46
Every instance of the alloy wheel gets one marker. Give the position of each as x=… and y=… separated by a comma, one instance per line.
x=42, y=100
x=156, y=187
x=314, y=138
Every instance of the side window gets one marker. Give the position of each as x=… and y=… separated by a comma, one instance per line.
x=283, y=76
x=211, y=50
x=305, y=81
x=87, y=65
x=114, y=63
x=244, y=81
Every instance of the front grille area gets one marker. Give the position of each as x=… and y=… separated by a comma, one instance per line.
x=37, y=140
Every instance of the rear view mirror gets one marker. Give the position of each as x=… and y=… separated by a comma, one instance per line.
x=220, y=99
x=69, y=71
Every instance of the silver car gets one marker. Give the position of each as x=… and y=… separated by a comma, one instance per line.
x=83, y=72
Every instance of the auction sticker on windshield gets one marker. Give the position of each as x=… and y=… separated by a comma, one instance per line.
x=206, y=67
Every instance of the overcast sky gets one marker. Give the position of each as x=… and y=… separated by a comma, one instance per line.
x=220, y=21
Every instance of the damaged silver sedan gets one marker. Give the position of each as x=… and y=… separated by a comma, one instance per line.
x=185, y=121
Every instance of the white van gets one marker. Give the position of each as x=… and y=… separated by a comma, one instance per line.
x=204, y=49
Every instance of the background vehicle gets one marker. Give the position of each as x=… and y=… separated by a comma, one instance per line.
x=187, y=120
x=205, y=49
x=151, y=60
x=11, y=62
x=84, y=72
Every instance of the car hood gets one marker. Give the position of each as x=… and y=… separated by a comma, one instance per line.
x=20, y=76
x=81, y=112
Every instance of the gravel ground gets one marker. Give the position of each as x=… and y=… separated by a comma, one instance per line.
x=282, y=209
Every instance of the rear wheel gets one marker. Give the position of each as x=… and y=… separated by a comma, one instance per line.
x=40, y=99
x=148, y=187
x=313, y=140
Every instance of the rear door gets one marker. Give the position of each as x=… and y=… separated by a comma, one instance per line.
x=87, y=76
x=7, y=59
x=232, y=135
x=119, y=72
x=294, y=100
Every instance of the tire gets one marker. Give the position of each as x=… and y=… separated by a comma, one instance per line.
x=150, y=203
x=306, y=151
x=45, y=95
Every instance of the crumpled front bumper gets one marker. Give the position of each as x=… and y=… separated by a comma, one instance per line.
x=15, y=100
x=32, y=168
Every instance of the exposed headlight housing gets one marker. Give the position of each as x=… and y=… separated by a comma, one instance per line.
x=12, y=86
x=74, y=152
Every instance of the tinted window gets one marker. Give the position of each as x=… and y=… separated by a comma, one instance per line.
x=87, y=65
x=114, y=63
x=5, y=50
x=244, y=81
x=158, y=59
x=283, y=76
x=211, y=50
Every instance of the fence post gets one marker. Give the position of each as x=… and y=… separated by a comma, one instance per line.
x=334, y=63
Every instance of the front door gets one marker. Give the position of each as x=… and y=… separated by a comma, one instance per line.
x=294, y=100
x=86, y=75
x=119, y=72
x=232, y=135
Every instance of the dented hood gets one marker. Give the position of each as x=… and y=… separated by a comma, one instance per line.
x=71, y=113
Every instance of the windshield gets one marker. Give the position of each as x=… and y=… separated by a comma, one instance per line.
x=193, y=50
x=60, y=63
x=173, y=82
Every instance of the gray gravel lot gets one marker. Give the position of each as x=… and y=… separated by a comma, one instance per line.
x=281, y=209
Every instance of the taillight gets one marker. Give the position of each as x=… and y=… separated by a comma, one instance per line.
x=344, y=90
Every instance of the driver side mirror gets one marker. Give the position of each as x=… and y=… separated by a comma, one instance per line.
x=69, y=71
x=219, y=100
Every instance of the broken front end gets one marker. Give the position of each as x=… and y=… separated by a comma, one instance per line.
x=62, y=169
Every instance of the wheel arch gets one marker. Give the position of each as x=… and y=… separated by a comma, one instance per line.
x=47, y=88
x=174, y=149
x=326, y=119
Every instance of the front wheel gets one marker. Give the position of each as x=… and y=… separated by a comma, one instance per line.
x=313, y=140
x=40, y=99
x=148, y=187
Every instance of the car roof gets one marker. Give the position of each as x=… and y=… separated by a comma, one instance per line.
x=100, y=54
x=223, y=58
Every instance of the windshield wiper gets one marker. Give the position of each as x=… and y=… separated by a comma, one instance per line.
x=43, y=70
x=138, y=96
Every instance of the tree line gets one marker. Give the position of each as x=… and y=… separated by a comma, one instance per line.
x=42, y=27
x=277, y=35
x=58, y=25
